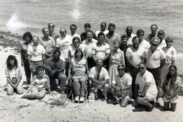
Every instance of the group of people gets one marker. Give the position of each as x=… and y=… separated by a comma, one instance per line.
x=129, y=67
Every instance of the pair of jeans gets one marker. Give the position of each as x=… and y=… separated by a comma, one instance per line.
x=27, y=71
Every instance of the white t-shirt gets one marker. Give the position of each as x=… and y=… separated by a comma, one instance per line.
x=101, y=51
x=89, y=46
x=135, y=55
x=103, y=75
x=63, y=44
x=144, y=44
x=48, y=45
x=153, y=60
x=171, y=54
x=142, y=80
x=35, y=52
x=162, y=44
x=129, y=42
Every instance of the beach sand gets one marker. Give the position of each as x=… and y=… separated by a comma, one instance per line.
x=15, y=109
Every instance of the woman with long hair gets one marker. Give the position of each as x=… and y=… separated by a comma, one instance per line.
x=14, y=75
x=79, y=69
x=27, y=37
x=40, y=82
x=171, y=88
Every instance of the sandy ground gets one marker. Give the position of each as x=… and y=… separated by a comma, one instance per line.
x=15, y=109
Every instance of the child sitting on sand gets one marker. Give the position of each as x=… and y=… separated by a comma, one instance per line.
x=13, y=75
x=40, y=82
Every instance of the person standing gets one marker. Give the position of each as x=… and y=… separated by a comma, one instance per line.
x=154, y=29
x=52, y=34
x=27, y=37
x=161, y=36
x=55, y=68
x=112, y=36
x=142, y=42
x=171, y=56
x=155, y=60
x=130, y=35
x=48, y=43
x=103, y=29
x=36, y=54
x=73, y=34
x=134, y=57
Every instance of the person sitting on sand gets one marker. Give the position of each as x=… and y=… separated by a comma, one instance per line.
x=73, y=34
x=79, y=68
x=36, y=53
x=40, y=82
x=146, y=84
x=87, y=28
x=55, y=68
x=121, y=86
x=27, y=37
x=48, y=43
x=52, y=34
x=103, y=29
x=99, y=80
x=14, y=75
x=171, y=88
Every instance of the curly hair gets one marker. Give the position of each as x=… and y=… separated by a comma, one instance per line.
x=27, y=34
x=9, y=66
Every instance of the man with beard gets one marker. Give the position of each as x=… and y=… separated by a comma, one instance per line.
x=55, y=70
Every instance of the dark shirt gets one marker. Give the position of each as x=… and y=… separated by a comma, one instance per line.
x=150, y=37
x=24, y=52
x=83, y=36
x=54, y=66
x=124, y=48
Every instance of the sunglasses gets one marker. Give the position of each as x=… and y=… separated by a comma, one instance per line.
x=121, y=69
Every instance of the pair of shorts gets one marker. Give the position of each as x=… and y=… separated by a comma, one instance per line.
x=150, y=97
x=171, y=101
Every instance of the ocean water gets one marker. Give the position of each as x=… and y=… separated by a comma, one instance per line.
x=32, y=15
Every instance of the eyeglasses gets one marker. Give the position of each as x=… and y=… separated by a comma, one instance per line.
x=121, y=69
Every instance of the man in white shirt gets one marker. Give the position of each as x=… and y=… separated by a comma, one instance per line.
x=121, y=86
x=100, y=80
x=154, y=29
x=73, y=34
x=36, y=54
x=48, y=43
x=130, y=35
x=52, y=34
x=103, y=29
x=142, y=42
x=146, y=84
x=89, y=45
x=161, y=36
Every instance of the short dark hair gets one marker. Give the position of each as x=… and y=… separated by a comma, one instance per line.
x=77, y=51
x=87, y=25
x=154, y=25
x=121, y=65
x=73, y=26
x=111, y=24
x=27, y=34
x=39, y=67
x=75, y=39
x=162, y=32
x=49, y=24
x=140, y=31
x=36, y=37
x=129, y=27
x=44, y=29
x=56, y=51
x=169, y=39
x=124, y=36
x=101, y=34
x=142, y=63
x=90, y=32
x=103, y=23
x=134, y=38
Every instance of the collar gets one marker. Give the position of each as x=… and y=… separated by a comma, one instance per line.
x=101, y=45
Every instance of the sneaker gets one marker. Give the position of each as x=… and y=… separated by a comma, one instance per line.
x=77, y=98
x=82, y=99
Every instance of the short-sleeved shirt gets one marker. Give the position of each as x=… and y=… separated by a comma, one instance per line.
x=35, y=52
x=162, y=44
x=101, y=51
x=72, y=36
x=147, y=77
x=15, y=72
x=135, y=55
x=171, y=54
x=103, y=75
x=153, y=60
x=110, y=41
x=105, y=32
x=63, y=44
x=72, y=49
x=78, y=66
x=89, y=46
x=41, y=84
x=144, y=44
x=124, y=81
x=49, y=45
x=117, y=57
x=54, y=65
x=129, y=42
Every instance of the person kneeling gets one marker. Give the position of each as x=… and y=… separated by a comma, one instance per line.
x=40, y=82
x=100, y=79
x=79, y=66
x=146, y=84
x=121, y=87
